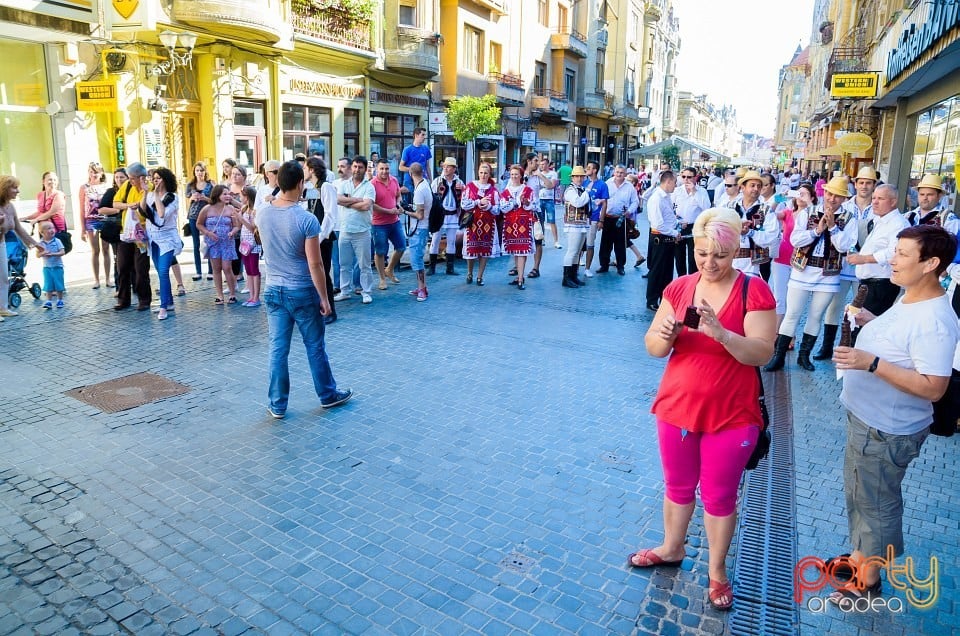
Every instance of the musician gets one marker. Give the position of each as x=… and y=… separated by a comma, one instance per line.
x=576, y=225
x=761, y=228
x=821, y=236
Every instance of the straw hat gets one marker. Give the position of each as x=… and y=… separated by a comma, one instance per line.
x=749, y=175
x=578, y=171
x=931, y=181
x=867, y=172
x=450, y=161
x=742, y=170
x=837, y=186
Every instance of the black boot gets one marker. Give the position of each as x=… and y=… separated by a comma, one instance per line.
x=803, y=357
x=575, y=276
x=450, y=260
x=826, y=349
x=779, y=353
x=568, y=278
x=432, y=267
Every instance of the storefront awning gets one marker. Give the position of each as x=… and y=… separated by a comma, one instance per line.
x=682, y=143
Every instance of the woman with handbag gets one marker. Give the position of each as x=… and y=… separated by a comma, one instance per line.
x=51, y=203
x=519, y=207
x=161, y=208
x=903, y=361
x=198, y=194
x=218, y=223
x=820, y=238
x=708, y=414
x=88, y=198
x=481, y=241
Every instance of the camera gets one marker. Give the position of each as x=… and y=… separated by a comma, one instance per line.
x=409, y=208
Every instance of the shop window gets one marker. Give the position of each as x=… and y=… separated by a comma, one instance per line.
x=351, y=132
x=389, y=135
x=539, y=78
x=936, y=146
x=306, y=129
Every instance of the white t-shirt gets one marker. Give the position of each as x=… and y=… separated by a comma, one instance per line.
x=921, y=336
x=423, y=196
x=547, y=193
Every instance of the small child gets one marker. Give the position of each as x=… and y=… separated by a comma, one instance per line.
x=51, y=250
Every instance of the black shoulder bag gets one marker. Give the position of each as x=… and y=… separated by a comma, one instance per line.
x=763, y=440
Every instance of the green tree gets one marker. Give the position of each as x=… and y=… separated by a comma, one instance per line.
x=469, y=117
x=671, y=155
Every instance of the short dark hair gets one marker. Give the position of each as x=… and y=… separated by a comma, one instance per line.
x=383, y=160
x=360, y=159
x=250, y=194
x=169, y=179
x=418, y=130
x=290, y=175
x=595, y=164
x=216, y=193
x=318, y=167
x=935, y=242
x=667, y=175
x=690, y=169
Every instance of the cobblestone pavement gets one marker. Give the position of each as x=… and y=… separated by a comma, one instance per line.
x=490, y=476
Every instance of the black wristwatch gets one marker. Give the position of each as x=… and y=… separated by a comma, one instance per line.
x=874, y=365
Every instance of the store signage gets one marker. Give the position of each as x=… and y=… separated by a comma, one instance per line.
x=542, y=146
x=854, y=85
x=125, y=8
x=613, y=128
x=528, y=138
x=399, y=99
x=913, y=41
x=99, y=96
x=121, y=146
x=326, y=89
x=438, y=122
x=855, y=143
x=153, y=146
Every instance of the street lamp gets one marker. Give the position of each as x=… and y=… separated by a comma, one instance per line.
x=179, y=49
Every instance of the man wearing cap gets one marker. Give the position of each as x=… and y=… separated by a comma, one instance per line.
x=576, y=225
x=418, y=152
x=930, y=212
x=761, y=228
x=661, y=212
x=820, y=238
x=449, y=188
x=873, y=260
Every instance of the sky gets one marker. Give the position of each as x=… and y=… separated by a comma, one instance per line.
x=733, y=51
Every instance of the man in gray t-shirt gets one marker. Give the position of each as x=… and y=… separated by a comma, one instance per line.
x=295, y=291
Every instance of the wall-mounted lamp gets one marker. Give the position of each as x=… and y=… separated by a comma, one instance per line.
x=179, y=49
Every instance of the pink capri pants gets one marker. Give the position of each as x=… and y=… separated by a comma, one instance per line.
x=713, y=460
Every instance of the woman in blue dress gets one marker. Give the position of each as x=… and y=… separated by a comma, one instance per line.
x=219, y=224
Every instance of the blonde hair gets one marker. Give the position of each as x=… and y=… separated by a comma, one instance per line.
x=721, y=226
x=6, y=182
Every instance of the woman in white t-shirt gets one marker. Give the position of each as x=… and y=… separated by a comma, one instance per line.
x=902, y=363
x=161, y=207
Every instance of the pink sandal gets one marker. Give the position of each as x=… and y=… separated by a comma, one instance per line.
x=647, y=558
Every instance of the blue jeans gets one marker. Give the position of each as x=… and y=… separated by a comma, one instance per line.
x=548, y=208
x=162, y=263
x=384, y=235
x=197, y=260
x=335, y=261
x=418, y=247
x=286, y=307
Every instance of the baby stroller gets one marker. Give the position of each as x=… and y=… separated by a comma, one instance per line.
x=16, y=264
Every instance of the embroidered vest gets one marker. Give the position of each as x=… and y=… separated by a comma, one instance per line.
x=756, y=214
x=578, y=216
x=830, y=258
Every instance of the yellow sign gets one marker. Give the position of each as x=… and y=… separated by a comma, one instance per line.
x=854, y=85
x=855, y=143
x=125, y=8
x=97, y=97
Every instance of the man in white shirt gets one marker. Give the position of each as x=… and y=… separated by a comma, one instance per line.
x=344, y=172
x=714, y=182
x=690, y=201
x=873, y=260
x=761, y=228
x=621, y=205
x=356, y=197
x=548, y=181
x=728, y=192
x=663, y=237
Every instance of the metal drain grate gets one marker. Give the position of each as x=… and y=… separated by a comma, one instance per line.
x=518, y=562
x=767, y=533
x=127, y=392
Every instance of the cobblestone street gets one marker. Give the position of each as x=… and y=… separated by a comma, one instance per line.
x=493, y=471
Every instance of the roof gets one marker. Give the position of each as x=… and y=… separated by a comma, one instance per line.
x=801, y=58
x=657, y=148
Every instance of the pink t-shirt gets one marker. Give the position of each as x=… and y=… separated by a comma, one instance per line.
x=704, y=389
x=44, y=203
x=386, y=198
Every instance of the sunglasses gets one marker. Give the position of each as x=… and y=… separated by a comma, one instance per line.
x=686, y=176
x=730, y=185
x=273, y=172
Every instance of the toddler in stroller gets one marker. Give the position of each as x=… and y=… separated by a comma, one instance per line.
x=17, y=255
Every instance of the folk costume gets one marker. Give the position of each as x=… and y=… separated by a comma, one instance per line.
x=450, y=192
x=576, y=225
x=481, y=238
x=519, y=206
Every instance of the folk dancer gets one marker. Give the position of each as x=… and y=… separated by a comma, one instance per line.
x=519, y=207
x=450, y=189
x=576, y=225
x=820, y=238
x=761, y=228
x=481, y=240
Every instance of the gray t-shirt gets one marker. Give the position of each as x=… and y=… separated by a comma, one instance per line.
x=283, y=232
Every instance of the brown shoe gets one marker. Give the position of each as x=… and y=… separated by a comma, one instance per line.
x=143, y=307
x=120, y=307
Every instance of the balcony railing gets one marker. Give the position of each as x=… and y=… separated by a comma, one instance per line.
x=332, y=25
x=413, y=51
x=568, y=39
x=596, y=101
x=552, y=102
x=508, y=88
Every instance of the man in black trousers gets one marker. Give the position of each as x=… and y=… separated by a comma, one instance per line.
x=663, y=238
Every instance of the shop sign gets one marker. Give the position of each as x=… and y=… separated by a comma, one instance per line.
x=399, y=99
x=528, y=138
x=854, y=85
x=855, y=143
x=29, y=95
x=438, y=122
x=613, y=128
x=913, y=41
x=153, y=146
x=121, y=146
x=542, y=146
x=99, y=96
x=326, y=89
x=125, y=8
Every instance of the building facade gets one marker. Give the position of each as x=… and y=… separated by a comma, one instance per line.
x=793, y=95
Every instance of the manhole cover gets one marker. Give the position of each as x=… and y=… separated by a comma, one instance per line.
x=128, y=392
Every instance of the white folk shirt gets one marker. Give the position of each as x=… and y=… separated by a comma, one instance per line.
x=623, y=199
x=881, y=243
x=661, y=213
x=690, y=204
x=948, y=220
x=812, y=278
x=767, y=236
